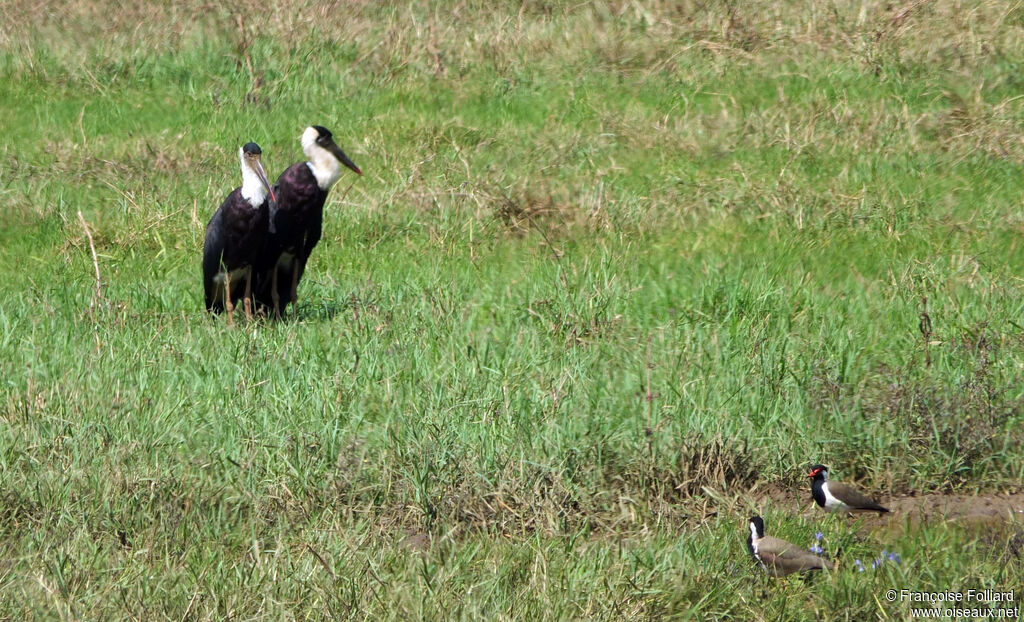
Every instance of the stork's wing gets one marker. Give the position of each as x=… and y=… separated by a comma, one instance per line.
x=213, y=251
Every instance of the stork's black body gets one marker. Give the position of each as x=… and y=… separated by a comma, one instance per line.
x=297, y=221
x=236, y=236
x=298, y=224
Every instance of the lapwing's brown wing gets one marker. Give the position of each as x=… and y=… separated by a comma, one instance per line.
x=854, y=498
x=783, y=558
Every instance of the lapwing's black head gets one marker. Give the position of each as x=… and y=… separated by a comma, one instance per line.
x=756, y=527
x=251, y=149
x=818, y=471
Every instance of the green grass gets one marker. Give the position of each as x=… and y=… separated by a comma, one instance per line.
x=609, y=268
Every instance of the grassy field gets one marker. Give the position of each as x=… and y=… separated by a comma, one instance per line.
x=615, y=276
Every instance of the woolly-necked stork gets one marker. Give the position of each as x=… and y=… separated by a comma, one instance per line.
x=236, y=236
x=301, y=192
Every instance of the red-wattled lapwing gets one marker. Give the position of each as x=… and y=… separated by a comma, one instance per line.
x=837, y=497
x=301, y=192
x=779, y=557
x=235, y=236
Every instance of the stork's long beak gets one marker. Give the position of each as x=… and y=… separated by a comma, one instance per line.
x=262, y=174
x=338, y=153
x=266, y=184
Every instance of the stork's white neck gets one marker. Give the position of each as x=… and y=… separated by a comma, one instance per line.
x=324, y=165
x=253, y=189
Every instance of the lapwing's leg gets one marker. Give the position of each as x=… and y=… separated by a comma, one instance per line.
x=275, y=296
x=247, y=300
x=227, y=297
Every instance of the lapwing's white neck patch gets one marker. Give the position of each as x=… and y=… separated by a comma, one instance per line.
x=253, y=189
x=753, y=536
x=831, y=502
x=322, y=162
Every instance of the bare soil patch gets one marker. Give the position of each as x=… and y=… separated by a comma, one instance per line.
x=914, y=509
x=977, y=509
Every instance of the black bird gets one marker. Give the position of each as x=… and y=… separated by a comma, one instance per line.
x=236, y=235
x=780, y=557
x=838, y=497
x=301, y=191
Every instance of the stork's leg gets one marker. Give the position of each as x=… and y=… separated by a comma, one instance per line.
x=295, y=281
x=218, y=298
x=227, y=297
x=247, y=299
x=275, y=296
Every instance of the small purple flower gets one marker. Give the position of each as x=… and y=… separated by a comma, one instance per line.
x=859, y=565
x=819, y=536
x=817, y=550
x=895, y=557
x=876, y=563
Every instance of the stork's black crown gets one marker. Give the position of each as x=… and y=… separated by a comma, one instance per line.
x=324, y=133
